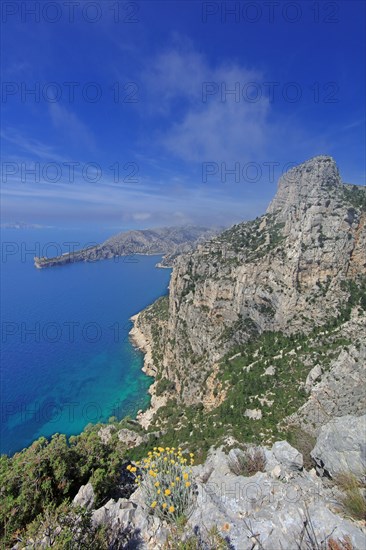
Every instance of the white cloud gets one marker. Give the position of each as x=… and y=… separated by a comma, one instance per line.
x=30, y=145
x=141, y=216
x=204, y=127
x=70, y=125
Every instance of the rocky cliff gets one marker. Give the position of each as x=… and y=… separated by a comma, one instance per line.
x=288, y=270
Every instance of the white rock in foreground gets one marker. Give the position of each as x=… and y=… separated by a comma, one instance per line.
x=341, y=446
x=85, y=496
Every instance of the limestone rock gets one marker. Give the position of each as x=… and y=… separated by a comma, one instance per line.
x=312, y=377
x=261, y=505
x=105, y=433
x=284, y=271
x=239, y=507
x=85, y=496
x=287, y=455
x=341, y=446
x=342, y=389
x=254, y=414
x=270, y=371
x=130, y=438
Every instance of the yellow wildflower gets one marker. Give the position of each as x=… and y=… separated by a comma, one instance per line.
x=188, y=483
x=167, y=492
x=129, y=467
x=156, y=484
x=164, y=505
x=185, y=475
x=153, y=504
x=171, y=509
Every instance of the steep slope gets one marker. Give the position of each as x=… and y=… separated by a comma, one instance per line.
x=288, y=271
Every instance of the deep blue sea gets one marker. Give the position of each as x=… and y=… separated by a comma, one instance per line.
x=66, y=359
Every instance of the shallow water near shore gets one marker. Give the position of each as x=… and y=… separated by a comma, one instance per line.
x=66, y=357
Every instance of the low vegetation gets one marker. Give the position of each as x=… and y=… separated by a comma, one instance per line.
x=353, y=499
x=201, y=539
x=247, y=462
x=48, y=474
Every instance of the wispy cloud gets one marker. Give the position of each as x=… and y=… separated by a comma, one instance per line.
x=204, y=120
x=143, y=204
x=70, y=125
x=31, y=146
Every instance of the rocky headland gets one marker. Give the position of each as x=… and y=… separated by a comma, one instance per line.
x=167, y=241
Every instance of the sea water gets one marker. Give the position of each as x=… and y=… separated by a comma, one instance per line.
x=66, y=358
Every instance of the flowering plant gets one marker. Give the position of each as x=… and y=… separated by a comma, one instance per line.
x=165, y=477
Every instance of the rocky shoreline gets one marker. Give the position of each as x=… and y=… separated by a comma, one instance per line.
x=140, y=341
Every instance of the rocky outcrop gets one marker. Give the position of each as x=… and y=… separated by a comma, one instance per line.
x=169, y=241
x=341, y=447
x=287, y=456
x=313, y=376
x=259, y=511
x=130, y=438
x=340, y=389
x=85, y=496
x=285, y=271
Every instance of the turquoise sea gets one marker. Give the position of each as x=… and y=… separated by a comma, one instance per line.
x=66, y=359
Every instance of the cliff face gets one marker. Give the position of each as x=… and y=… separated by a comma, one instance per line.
x=283, y=271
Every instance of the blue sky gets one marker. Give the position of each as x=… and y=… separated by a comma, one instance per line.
x=170, y=112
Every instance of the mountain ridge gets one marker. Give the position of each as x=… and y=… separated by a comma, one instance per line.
x=168, y=241
x=287, y=270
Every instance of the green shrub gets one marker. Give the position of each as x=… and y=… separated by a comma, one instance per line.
x=67, y=526
x=50, y=472
x=164, y=385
